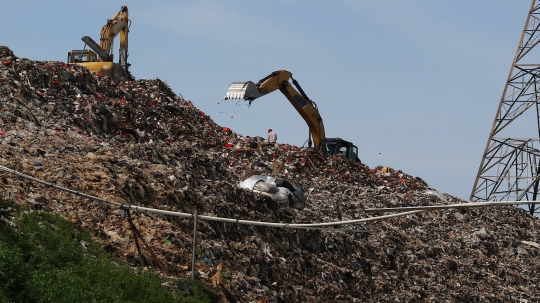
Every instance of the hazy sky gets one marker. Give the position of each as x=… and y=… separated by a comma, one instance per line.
x=414, y=84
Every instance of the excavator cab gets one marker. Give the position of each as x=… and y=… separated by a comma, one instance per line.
x=340, y=147
x=76, y=56
x=90, y=60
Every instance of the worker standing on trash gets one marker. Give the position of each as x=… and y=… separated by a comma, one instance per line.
x=272, y=136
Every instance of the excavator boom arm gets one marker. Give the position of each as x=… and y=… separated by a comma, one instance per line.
x=117, y=25
x=280, y=80
x=308, y=111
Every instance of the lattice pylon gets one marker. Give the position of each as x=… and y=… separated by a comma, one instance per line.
x=510, y=167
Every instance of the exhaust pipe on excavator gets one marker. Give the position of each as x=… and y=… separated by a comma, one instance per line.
x=243, y=90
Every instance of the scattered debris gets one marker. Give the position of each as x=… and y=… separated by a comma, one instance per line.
x=138, y=142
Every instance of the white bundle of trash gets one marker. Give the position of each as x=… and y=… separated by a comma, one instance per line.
x=278, y=189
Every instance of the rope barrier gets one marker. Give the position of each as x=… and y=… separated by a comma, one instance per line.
x=449, y=206
x=3, y=168
x=405, y=211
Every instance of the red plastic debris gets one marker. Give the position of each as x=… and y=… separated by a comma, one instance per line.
x=401, y=180
x=203, y=115
x=6, y=62
x=226, y=130
x=2, y=133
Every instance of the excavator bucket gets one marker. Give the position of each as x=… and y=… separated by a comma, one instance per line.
x=243, y=90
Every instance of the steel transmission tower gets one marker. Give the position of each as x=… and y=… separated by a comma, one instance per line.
x=510, y=167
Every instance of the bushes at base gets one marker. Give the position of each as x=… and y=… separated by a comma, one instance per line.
x=44, y=259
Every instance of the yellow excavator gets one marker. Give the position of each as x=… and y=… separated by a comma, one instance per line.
x=99, y=59
x=250, y=91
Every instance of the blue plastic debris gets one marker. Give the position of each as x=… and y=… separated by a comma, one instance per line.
x=207, y=261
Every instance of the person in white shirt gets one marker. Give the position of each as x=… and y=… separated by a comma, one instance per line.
x=272, y=136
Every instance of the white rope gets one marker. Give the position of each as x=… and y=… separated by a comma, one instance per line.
x=57, y=187
x=449, y=206
x=411, y=210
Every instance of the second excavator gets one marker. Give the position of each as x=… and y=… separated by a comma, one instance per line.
x=250, y=91
x=100, y=60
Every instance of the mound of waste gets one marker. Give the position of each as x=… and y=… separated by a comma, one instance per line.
x=140, y=144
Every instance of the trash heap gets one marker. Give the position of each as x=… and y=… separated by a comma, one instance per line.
x=139, y=143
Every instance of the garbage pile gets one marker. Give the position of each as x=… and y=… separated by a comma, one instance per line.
x=137, y=142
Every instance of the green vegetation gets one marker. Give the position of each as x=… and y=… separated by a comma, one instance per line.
x=44, y=259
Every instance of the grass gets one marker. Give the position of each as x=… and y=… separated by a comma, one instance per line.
x=43, y=258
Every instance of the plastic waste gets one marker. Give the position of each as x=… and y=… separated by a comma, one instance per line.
x=432, y=192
